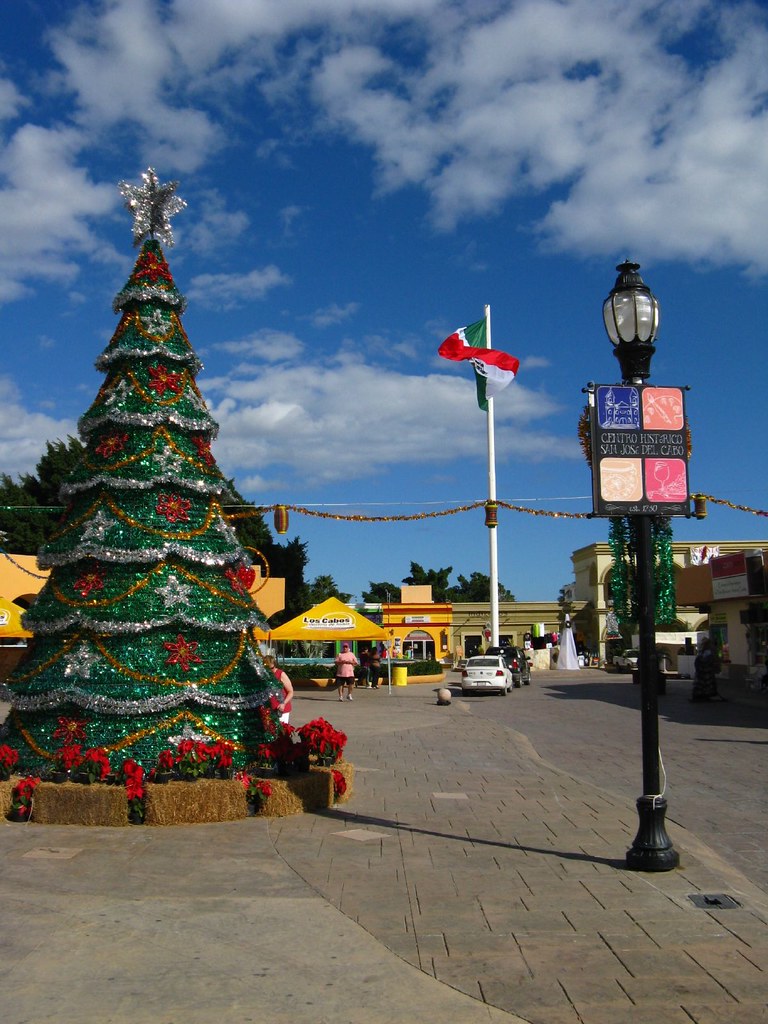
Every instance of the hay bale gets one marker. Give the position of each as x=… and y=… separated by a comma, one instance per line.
x=194, y=803
x=68, y=803
x=294, y=794
x=6, y=794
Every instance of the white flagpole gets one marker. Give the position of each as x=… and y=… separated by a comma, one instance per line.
x=493, y=553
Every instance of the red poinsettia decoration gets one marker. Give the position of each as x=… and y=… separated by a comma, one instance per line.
x=21, y=797
x=256, y=790
x=161, y=379
x=339, y=784
x=166, y=761
x=91, y=579
x=322, y=739
x=8, y=757
x=173, y=507
x=221, y=753
x=152, y=268
x=203, y=446
x=95, y=764
x=111, y=445
x=241, y=579
x=68, y=757
x=182, y=652
x=70, y=729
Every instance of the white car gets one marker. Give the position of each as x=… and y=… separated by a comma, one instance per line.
x=486, y=674
x=627, y=660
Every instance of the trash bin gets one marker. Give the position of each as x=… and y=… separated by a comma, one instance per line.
x=400, y=675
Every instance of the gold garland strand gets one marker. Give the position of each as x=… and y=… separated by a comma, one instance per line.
x=729, y=504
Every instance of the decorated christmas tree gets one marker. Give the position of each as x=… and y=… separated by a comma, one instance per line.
x=143, y=631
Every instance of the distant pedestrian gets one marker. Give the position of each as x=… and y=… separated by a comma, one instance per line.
x=705, y=668
x=346, y=663
x=374, y=668
x=362, y=672
x=284, y=707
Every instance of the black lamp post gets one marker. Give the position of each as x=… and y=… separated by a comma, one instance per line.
x=631, y=315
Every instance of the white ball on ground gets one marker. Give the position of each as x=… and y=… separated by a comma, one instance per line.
x=443, y=695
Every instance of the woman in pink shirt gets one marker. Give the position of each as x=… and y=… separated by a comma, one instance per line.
x=345, y=671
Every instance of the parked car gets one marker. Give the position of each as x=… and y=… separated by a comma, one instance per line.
x=627, y=660
x=486, y=673
x=516, y=662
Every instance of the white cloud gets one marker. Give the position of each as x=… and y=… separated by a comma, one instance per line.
x=23, y=433
x=334, y=314
x=226, y=291
x=306, y=421
x=265, y=344
x=45, y=204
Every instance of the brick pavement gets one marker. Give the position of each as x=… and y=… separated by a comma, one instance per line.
x=503, y=877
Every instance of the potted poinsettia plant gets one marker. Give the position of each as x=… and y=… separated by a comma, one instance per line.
x=339, y=784
x=94, y=766
x=8, y=758
x=65, y=759
x=221, y=756
x=256, y=791
x=323, y=741
x=286, y=751
x=192, y=759
x=132, y=775
x=21, y=798
x=165, y=767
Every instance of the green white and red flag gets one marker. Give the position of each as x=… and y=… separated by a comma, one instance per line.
x=494, y=370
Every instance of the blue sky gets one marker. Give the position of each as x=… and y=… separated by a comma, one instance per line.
x=362, y=176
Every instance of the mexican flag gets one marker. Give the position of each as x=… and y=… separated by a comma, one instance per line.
x=494, y=370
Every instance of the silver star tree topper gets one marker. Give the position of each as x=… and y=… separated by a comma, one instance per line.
x=152, y=206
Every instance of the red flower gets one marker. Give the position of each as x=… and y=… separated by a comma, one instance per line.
x=133, y=776
x=182, y=653
x=92, y=579
x=68, y=757
x=22, y=792
x=322, y=739
x=161, y=379
x=339, y=783
x=70, y=729
x=203, y=446
x=151, y=267
x=111, y=445
x=221, y=753
x=8, y=757
x=95, y=763
x=165, y=760
x=173, y=507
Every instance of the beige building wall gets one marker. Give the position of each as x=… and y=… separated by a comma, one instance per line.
x=592, y=565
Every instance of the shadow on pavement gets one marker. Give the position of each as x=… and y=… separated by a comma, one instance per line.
x=365, y=819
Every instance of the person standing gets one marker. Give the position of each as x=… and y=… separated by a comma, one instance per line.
x=705, y=668
x=374, y=667
x=345, y=671
x=362, y=676
x=282, y=677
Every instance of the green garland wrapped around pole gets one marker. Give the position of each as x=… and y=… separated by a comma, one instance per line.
x=623, y=543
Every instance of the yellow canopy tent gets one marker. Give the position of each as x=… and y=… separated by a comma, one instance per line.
x=329, y=620
x=10, y=620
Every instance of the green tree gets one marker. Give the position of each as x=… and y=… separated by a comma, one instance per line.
x=381, y=593
x=435, y=578
x=476, y=588
x=323, y=587
x=31, y=507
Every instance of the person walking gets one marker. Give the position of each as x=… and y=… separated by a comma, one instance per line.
x=362, y=675
x=282, y=677
x=345, y=671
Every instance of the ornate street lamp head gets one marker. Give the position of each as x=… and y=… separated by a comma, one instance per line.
x=631, y=316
